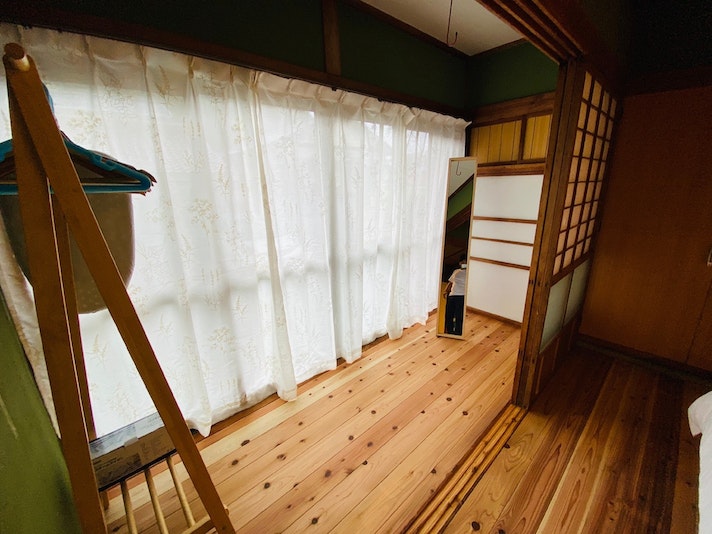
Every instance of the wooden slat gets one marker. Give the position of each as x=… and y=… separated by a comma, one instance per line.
x=513, y=109
x=332, y=44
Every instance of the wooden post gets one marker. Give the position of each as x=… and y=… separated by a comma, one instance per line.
x=43, y=153
x=52, y=317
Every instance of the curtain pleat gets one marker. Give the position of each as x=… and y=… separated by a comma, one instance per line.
x=290, y=223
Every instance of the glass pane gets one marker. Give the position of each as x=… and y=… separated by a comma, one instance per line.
x=577, y=290
x=555, y=310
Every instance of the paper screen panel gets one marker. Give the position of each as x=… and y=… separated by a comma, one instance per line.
x=508, y=197
x=558, y=298
x=508, y=231
x=503, y=252
x=577, y=291
x=496, y=289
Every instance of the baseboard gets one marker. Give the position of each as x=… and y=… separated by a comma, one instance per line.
x=494, y=316
x=657, y=363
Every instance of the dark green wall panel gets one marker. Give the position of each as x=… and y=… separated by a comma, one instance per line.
x=287, y=30
x=377, y=53
x=513, y=72
x=35, y=494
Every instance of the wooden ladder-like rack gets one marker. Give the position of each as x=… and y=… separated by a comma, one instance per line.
x=42, y=161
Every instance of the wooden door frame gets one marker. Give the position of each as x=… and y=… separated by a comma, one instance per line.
x=558, y=162
x=562, y=31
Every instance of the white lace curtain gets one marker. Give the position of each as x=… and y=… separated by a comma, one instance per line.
x=291, y=223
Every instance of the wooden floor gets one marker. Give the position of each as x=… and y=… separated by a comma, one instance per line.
x=363, y=448
x=605, y=448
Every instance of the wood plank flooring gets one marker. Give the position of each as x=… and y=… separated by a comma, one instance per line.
x=605, y=448
x=363, y=448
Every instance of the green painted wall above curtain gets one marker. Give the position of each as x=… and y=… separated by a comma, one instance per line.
x=511, y=72
x=372, y=51
x=286, y=30
x=35, y=494
x=375, y=52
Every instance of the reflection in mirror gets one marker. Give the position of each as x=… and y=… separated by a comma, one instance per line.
x=452, y=309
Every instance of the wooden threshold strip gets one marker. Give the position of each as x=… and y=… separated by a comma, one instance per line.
x=442, y=507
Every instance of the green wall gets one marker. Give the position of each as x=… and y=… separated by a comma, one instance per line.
x=511, y=72
x=287, y=30
x=374, y=52
x=35, y=494
x=459, y=201
x=291, y=31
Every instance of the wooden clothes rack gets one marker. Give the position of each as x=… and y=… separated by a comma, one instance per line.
x=42, y=161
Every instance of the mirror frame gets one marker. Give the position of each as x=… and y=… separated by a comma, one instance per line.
x=452, y=165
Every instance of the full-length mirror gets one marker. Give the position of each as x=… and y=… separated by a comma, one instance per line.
x=452, y=309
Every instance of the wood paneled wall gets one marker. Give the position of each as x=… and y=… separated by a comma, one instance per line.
x=650, y=285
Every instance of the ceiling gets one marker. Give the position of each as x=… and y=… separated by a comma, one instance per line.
x=477, y=29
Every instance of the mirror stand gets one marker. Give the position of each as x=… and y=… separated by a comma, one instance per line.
x=452, y=308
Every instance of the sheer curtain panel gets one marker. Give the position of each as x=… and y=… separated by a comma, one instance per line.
x=290, y=223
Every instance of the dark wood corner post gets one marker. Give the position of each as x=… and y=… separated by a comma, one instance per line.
x=332, y=47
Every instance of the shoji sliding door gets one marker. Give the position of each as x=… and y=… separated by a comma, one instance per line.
x=510, y=142
x=501, y=243
x=574, y=185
